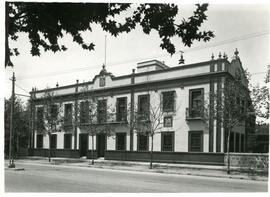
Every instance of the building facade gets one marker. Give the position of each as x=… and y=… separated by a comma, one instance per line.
x=102, y=114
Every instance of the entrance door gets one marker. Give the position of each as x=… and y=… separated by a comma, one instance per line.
x=100, y=145
x=83, y=144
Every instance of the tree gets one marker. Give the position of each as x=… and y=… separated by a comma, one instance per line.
x=49, y=119
x=260, y=98
x=92, y=119
x=21, y=125
x=233, y=107
x=149, y=117
x=45, y=23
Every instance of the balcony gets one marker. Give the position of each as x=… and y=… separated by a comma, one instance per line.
x=194, y=114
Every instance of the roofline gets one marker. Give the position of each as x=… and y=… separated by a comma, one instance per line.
x=137, y=74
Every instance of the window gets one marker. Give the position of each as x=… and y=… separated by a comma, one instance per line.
x=40, y=120
x=121, y=109
x=196, y=103
x=195, y=141
x=120, y=141
x=142, y=142
x=68, y=114
x=168, y=101
x=54, y=111
x=102, y=81
x=143, y=106
x=39, y=140
x=84, y=112
x=102, y=111
x=168, y=121
x=67, y=140
x=167, y=141
x=242, y=142
x=53, y=141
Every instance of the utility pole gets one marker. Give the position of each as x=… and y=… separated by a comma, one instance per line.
x=11, y=145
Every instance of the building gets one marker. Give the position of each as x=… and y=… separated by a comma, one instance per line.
x=181, y=92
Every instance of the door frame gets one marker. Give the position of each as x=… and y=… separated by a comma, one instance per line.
x=97, y=143
x=80, y=142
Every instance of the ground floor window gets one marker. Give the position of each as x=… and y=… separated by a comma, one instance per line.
x=142, y=142
x=195, y=141
x=67, y=140
x=167, y=141
x=53, y=141
x=120, y=141
x=39, y=140
x=242, y=143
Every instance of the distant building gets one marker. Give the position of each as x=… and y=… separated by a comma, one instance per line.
x=185, y=88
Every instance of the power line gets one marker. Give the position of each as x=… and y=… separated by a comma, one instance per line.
x=231, y=40
x=21, y=88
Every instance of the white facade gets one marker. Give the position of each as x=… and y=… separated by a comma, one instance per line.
x=152, y=81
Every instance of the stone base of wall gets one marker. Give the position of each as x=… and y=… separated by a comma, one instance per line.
x=167, y=157
x=89, y=154
x=252, y=161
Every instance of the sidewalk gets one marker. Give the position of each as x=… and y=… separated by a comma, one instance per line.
x=168, y=168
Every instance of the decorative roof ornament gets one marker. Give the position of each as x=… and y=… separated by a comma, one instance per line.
x=103, y=70
x=236, y=53
x=212, y=56
x=182, y=60
x=225, y=56
x=57, y=85
x=219, y=55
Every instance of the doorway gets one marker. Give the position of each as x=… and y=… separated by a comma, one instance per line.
x=101, y=144
x=83, y=144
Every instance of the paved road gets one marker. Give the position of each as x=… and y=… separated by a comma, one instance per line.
x=48, y=178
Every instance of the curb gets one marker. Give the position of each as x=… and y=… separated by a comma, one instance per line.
x=121, y=167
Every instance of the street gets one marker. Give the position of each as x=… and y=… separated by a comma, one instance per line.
x=53, y=178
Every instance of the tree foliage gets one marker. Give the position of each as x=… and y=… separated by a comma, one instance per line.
x=45, y=23
x=260, y=97
x=233, y=107
x=20, y=126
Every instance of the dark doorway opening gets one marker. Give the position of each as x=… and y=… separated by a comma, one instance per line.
x=83, y=144
x=101, y=143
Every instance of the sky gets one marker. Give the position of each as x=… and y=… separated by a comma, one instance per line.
x=242, y=26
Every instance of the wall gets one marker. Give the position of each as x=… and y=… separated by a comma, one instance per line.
x=168, y=157
x=257, y=161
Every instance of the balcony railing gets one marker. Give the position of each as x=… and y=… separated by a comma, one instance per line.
x=194, y=114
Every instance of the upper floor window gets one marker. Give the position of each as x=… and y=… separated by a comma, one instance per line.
x=54, y=111
x=196, y=102
x=102, y=81
x=40, y=118
x=121, y=109
x=168, y=101
x=68, y=113
x=143, y=106
x=84, y=112
x=102, y=111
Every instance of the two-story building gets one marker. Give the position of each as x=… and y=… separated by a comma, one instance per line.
x=175, y=95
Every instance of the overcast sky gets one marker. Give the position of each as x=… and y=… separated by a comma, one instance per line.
x=245, y=27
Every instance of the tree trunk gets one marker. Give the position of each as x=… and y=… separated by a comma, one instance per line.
x=49, y=155
x=17, y=146
x=151, y=152
x=92, y=152
x=228, y=151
